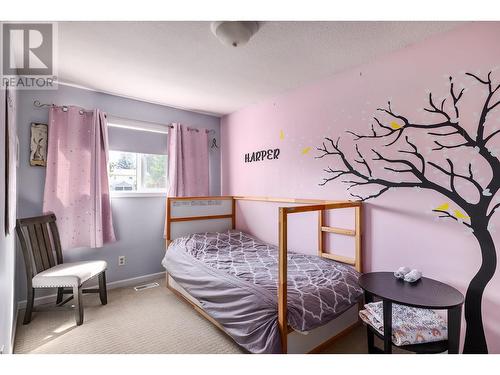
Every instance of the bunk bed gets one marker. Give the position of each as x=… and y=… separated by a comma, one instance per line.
x=267, y=298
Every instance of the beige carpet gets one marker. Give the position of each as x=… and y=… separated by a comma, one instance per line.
x=149, y=321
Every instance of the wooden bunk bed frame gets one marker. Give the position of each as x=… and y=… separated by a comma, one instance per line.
x=303, y=205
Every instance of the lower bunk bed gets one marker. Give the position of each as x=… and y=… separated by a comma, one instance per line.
x=267, y=299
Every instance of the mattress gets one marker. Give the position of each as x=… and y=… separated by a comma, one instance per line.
x=234, y=276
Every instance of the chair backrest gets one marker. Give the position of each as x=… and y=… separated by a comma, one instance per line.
x=41, y=250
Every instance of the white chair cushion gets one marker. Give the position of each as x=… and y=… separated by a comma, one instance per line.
x=69, y=274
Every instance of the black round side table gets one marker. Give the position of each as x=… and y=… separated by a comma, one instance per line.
x=426, y=294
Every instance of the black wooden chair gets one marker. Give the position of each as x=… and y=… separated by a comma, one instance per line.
x=43, y=259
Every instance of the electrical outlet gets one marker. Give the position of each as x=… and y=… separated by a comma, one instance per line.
x=122, y=260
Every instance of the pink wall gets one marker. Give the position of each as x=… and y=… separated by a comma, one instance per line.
x=401, y=228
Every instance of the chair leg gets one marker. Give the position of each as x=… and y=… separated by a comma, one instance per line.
x=77, y=294
x=29, y=305
x=103, y=293
x=60, y=295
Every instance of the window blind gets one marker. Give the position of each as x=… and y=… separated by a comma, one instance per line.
x=136, y=136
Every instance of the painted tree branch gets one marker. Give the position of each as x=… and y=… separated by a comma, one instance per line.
x=458, y=129
x=407, y=124
x=453, y=175
x=492, y=211
x=363, y=161
x=334, y=149
x=478, y=143
x=455, y=97
x=415, y=152
x=437, y=110
x=366, y=179
x=480, y=139
x=447, y=215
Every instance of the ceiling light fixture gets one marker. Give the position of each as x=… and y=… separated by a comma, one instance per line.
x=234, y=33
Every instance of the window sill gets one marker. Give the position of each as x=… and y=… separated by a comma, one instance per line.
x=136, y=194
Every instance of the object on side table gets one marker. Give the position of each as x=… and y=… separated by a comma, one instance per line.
x=410, y=325
x=413, y=276
x=401, y=272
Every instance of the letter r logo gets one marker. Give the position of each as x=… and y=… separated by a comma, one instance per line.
x=27, y=49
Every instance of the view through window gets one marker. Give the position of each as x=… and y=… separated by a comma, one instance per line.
x=135, y=172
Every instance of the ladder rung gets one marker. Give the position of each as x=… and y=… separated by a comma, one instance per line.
x=339, y=258
x=346, y=232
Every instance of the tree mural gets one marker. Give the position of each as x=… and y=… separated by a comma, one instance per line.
x=413, y=170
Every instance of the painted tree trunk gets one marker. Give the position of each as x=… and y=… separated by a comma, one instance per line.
x=475, y=340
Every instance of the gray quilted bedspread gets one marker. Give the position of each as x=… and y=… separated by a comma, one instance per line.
x=318, y=289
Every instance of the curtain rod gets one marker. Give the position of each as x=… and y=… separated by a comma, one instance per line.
x=64, y=108
x=38, y=104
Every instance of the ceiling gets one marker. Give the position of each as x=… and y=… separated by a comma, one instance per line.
x=181, y=64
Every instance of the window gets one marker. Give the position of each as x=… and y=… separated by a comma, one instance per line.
x=137, y=157
x=137, y=172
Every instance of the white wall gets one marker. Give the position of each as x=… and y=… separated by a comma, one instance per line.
x=7, y=247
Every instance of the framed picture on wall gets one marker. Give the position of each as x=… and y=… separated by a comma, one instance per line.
x=38, y=146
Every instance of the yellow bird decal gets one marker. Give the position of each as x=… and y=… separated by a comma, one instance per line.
x=395, y=125
x=443, y=207
x=282, y=134
x=306, y=150
x=459, y=215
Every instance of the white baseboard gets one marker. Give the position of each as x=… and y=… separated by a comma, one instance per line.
x=134, y=281
x=111, y=285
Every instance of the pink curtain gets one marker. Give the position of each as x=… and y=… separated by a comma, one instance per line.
x=187, y=162
x=76, y=182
